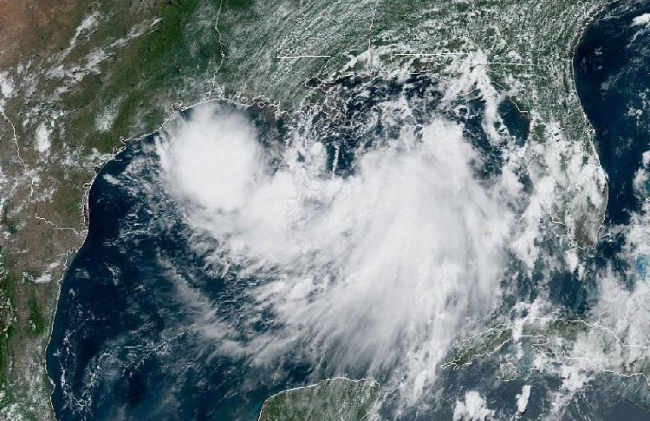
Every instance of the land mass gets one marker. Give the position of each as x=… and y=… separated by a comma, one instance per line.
x=337, y=399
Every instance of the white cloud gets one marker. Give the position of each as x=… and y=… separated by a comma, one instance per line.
x=522, y=399
x=380, y=269
x=43, y=138
x=106, y=117
x=87, y=25
x=6, y=85
x=214, y=162
x=640, y=20
x=473, y=408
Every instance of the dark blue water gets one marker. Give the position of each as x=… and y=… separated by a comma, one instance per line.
x=141, y=314
x=612, y=65
x=124, y=344
x=612, y=70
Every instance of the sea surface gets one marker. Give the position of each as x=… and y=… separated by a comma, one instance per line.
x=138, y=318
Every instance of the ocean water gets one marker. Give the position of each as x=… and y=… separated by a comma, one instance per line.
x=139, y=329
x=612, y=67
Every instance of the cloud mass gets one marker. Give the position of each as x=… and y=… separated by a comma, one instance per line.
x=380, y=269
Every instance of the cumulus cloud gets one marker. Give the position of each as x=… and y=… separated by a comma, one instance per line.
x=641, y=20
x=472, y=408
x=214, y=161
x=380, y=269
x=522, y=399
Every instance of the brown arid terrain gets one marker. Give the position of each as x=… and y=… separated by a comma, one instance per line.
x=33, y=27
x=67, y=70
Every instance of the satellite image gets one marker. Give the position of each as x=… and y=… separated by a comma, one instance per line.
x=314, y=210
